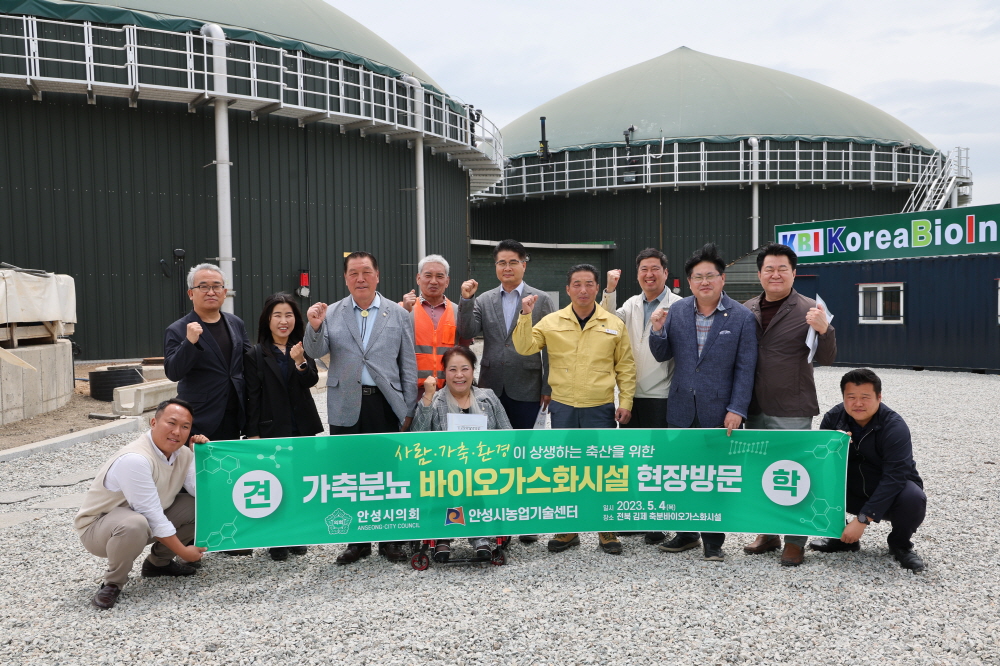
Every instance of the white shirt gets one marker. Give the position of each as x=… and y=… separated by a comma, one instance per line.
x=131, y=475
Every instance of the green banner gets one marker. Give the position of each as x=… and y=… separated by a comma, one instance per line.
x=925, y=233
x=433, y=485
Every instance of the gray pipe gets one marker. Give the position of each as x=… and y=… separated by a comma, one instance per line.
x=755, y=207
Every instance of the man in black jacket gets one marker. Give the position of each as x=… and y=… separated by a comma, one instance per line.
x=882, y=479
x=203, y=352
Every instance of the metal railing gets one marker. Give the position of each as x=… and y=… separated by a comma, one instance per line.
x=939, y=180
x=142, y=63
x=705, y=164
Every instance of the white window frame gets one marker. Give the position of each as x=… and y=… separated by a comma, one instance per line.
x=880, y=288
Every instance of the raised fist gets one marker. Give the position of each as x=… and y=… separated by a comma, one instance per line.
x=469, y=288
x=528, y=304
x=657, y=318
x=316, y=314
x=194, y=332
x=430, y=387
x=614, y=275
x=409, y=300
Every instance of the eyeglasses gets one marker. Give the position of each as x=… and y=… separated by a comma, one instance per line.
x=707, y=277
x=512, y=263
x=205, y=288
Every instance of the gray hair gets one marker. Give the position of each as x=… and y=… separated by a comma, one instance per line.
x=203, y=267
x=434, y=259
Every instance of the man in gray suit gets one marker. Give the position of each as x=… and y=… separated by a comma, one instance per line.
x=521, y=382
x=372, y=381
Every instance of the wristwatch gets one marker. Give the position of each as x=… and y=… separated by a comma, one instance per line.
x=302, y=366
x=863, y=519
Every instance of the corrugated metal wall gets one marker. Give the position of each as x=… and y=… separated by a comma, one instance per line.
x=684, y=220
x=104, y=192
x=950, y=311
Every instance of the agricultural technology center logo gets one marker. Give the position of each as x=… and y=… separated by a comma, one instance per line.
x=949, y=232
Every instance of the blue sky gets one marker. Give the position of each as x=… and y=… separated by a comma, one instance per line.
x=933, y=65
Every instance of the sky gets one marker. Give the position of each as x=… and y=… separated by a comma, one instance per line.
x=933, y=65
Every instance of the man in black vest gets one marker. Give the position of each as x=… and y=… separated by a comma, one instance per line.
x=882, y=479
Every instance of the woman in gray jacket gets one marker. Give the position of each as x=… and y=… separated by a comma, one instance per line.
x=458, y=396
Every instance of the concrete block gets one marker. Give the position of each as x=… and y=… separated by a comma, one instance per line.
x=70, y=478
x=72, y=501
x=31, y=385
x=11, y=415
x=50, y=376
x=138, y=398
x=153, y=372
x=18, y=517
x=15, y=496
x=11, y=391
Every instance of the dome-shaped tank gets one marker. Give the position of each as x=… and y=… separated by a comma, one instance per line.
x=685, y=95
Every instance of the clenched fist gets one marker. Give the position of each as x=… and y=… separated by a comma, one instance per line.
x=469, y=288
x=528, y=304
x=657, y=319
x=614, y=275
x=409, y=300
x=430, y=387
x=316, y=314
x=194, y=331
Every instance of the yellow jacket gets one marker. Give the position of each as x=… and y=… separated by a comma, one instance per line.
x=584, y=366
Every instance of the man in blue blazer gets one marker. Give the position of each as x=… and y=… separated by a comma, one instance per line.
x=713, y=342
x=203, y=352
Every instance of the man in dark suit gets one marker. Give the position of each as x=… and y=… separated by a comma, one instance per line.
x=713, y=341
x=203, y=352
x=521, y=382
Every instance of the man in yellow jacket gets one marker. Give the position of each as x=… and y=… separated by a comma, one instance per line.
x=589, y=354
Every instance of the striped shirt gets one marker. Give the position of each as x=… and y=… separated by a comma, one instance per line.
x=703, y=324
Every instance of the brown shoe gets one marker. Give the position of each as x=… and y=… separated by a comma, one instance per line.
x=764, y=543
x=354, y=552
x=393, y=551
x=792, y=555
x=106, y=596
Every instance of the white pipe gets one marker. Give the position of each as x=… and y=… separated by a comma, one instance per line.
x=223, y=195
x=418, y=147
x=418, y=150
x=755, y=207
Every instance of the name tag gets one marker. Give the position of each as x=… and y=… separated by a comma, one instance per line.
x=610, y=331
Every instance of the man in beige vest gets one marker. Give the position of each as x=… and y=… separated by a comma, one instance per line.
x=135, y=500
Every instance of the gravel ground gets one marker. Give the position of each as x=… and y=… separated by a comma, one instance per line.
x=581, y=606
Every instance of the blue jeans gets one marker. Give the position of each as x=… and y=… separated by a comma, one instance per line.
x=564, y=416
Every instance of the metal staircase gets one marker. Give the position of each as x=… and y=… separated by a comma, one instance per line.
x=945, y=176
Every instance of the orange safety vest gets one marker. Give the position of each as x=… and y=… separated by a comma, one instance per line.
x=431, y=343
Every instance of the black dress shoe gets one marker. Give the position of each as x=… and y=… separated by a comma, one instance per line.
x=653, y=538
x=908, y=559
x=278, y=554
x=193, y=565
x=245, y=552
x=834, y=546
x=106, y=596
x=297, y=550
x=528, y=538
x=393, y=552
x=354, y=552
x=173, y=568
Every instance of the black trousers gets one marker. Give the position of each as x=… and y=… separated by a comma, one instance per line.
x=647, y=413
x=228, y=429
x=521, y=413
x=376, y=416
x=906, y=513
